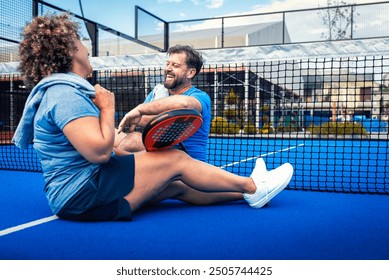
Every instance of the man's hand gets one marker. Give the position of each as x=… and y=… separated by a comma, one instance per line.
x=143, y=113
x=132, y=118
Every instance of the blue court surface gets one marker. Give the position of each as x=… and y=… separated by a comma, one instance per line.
x=297, y=225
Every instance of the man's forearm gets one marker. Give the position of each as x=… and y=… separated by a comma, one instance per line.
x=169, y=103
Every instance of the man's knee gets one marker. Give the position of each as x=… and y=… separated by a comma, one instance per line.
x=132, y=142
x=118, y=138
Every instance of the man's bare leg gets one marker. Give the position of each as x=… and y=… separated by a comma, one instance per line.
x=118, y=138
x=131, y=142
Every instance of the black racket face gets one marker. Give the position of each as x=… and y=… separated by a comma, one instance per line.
x=170, y=128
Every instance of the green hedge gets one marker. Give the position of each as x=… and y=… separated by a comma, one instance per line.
x=339, y=128
x=220, y=125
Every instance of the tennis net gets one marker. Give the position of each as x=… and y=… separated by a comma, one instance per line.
x=326, y=115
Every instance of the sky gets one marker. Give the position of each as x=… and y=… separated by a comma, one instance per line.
x=119, y=14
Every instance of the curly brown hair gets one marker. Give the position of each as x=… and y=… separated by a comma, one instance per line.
x=47, y=47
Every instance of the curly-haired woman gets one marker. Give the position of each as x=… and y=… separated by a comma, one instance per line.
x=71, y=124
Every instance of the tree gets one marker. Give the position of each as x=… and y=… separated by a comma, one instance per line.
x=338, y=18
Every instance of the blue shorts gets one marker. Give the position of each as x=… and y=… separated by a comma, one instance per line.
x=101, y=198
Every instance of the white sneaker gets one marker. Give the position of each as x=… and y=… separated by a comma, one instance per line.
x=260, y=167
x=268, y=184
x=260, y=170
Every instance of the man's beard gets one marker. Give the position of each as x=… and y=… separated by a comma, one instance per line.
x=172, y=85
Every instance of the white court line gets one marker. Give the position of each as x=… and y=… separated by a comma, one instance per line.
x=263, y=155
x=54, y=217
x=27, y=225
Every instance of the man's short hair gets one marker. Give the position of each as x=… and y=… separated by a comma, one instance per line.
x=194, y=59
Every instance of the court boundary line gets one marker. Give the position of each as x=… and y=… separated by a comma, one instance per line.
x=262, y=155
x=55, y=217
x=28, y=225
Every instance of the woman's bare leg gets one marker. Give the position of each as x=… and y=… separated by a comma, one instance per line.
x=155, y=171
x=178, y=190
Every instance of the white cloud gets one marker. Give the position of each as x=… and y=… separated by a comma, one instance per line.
x=210, y=4
x=214, y=4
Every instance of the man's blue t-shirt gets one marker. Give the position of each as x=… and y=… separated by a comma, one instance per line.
x=196, y=145
x=65, y=169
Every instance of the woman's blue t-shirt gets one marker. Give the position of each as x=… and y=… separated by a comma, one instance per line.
x=65, y=170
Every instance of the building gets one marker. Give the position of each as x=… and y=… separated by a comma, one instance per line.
x=342, y=95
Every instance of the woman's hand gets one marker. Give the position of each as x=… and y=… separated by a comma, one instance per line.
x=104, y=99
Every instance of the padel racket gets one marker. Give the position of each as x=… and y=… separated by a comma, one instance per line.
x=170, y=128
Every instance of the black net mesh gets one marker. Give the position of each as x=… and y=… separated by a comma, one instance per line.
x=327, y=117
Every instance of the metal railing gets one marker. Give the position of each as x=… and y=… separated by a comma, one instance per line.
x=331, y=23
